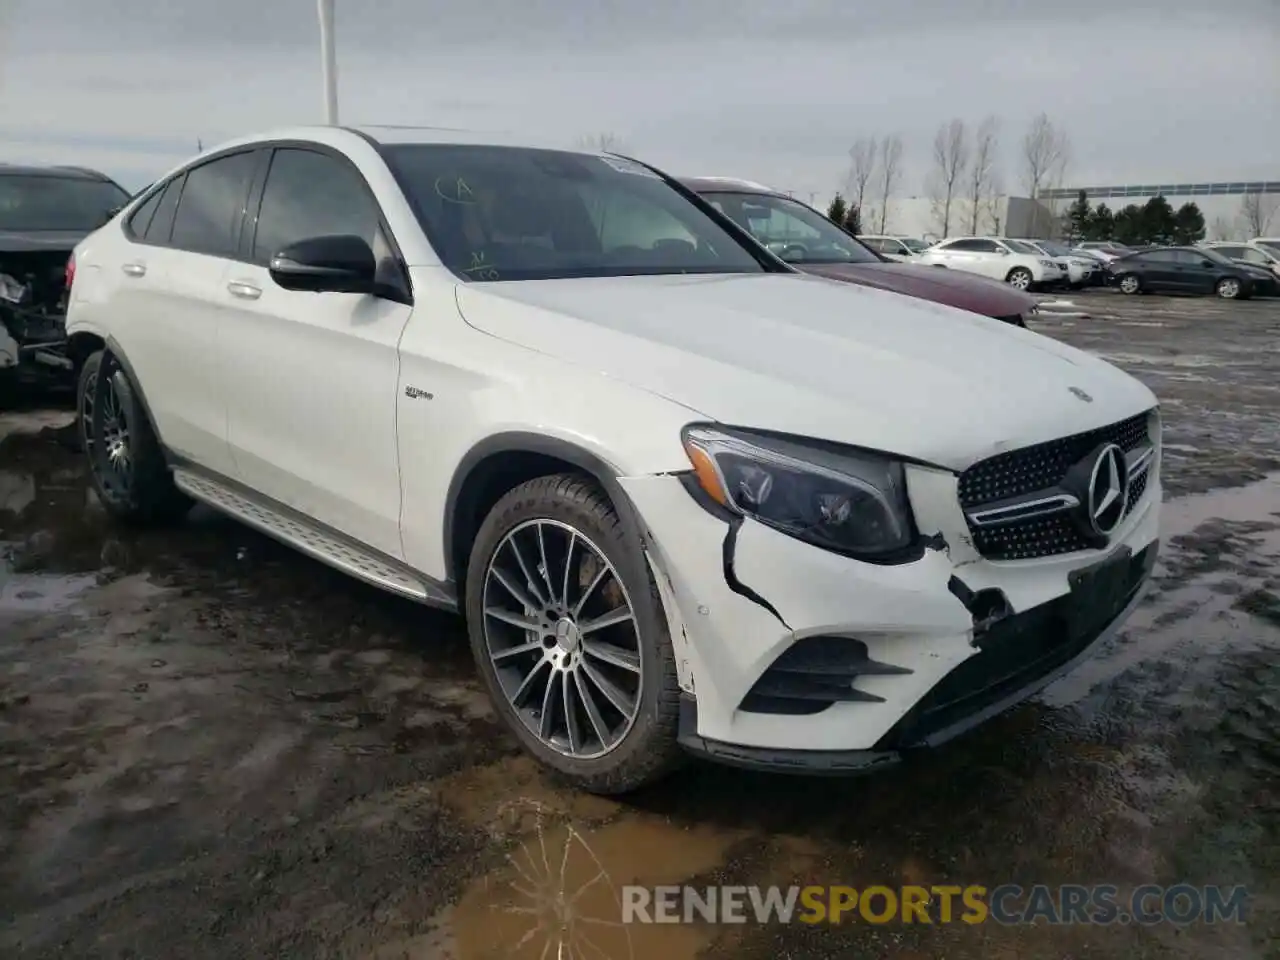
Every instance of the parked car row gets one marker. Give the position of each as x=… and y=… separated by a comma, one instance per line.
x=1192, y=269
x=690, y=496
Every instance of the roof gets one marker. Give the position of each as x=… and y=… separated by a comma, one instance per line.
x=722, y=184
x=49, y=170
x=390, y=134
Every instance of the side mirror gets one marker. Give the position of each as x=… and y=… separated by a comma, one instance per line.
x=334, y=264
x=1206, y=263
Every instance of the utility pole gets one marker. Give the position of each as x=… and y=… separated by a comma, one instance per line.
x=328, y=62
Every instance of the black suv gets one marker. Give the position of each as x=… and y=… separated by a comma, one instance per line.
x=44, y=212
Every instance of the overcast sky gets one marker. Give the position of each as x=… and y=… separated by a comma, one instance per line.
x=1147, y=90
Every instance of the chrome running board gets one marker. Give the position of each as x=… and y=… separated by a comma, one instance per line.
x=312, y=538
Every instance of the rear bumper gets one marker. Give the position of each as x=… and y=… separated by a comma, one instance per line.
x=1020, y=656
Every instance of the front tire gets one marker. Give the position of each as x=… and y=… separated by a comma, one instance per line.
x=1020, y=278
x=569, y=635
x=1129, y=284
x=126, y=465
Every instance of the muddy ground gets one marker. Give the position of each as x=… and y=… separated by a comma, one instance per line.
x=212, y=747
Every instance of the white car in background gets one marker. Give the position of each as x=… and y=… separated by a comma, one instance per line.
x=1267, y=243
x=901, y=249
x=1251, y=253
x=1015, y=263
x=684, y=495
x=1081, y=268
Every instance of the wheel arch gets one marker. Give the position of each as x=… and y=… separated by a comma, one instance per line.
x=112, y=346
x=499, y=463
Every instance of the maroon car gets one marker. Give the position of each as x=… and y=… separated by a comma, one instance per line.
x=810, y=242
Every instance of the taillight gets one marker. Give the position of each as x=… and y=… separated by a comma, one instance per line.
x=71, y=271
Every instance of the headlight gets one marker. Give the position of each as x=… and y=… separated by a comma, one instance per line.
x=850, y=503
x=1048, y=263
x=10, y=289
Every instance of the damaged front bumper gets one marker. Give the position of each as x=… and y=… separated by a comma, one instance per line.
x=793, y=658
x=33, y=343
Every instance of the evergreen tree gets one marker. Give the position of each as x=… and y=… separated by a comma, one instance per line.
x=1078, y=218
x=1102, y=224
x=1129, y=228
x=838, y=210
x=853, y=220
x=1188, y=224
x=1158, y=225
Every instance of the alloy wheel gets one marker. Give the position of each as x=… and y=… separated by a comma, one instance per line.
x=108, y=436
x=1129, y=284
x=1229, y=289
x=562, y=637
x=1020, y=279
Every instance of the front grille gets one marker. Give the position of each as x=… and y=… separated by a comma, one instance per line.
x=1041, y=467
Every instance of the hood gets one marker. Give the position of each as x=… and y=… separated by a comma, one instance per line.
x=804, y=356
x=40, y=241
x=967, y=291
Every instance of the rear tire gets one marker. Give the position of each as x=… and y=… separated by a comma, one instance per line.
x=1229, y=288
x=573, y=564
x=126, y=464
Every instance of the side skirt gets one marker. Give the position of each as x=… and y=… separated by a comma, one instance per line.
x=312, y=537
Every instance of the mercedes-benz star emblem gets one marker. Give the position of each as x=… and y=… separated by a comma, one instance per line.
x=1108, y=490
x=1081, y=394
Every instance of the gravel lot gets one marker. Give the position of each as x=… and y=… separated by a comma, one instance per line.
x=212, y=747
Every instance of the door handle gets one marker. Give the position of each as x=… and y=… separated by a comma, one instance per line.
x=245, y=291
x=134, y=269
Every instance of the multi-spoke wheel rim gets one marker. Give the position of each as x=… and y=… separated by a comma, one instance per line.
x=562, y=637
x=1020, y=279
x=107, y=436
x=1228, y=288
x=1129, y=284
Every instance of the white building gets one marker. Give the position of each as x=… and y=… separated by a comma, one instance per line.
x=999, y=216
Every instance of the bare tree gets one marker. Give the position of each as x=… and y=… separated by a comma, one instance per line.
x=1220, y=229
x=890, y=158
x=862, y=166
x=604, y=142
x=990, y=204
x=1256, y=210
x=1044, y=155
x=950, y=161
x=982, y=171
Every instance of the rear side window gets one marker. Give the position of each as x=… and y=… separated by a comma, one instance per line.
x=212, y=205
x=311, y=194
x=162, y=223
x=140, y=219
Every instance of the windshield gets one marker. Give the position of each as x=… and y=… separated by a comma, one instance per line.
x=1017, y=246
x=35, y=203
x=794, y=232
x=1272, y=246
x=914, y=245
x=1053, y=248
x=514, y=213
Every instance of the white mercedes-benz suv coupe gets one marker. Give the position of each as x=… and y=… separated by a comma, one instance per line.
x=686, y=498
